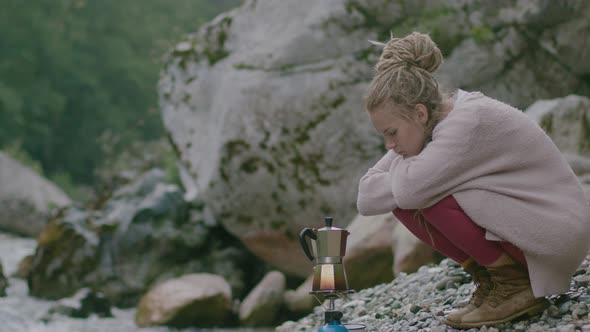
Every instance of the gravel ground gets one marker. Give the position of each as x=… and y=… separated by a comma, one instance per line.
x=420, y=301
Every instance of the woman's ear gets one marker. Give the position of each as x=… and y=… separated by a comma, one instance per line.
x=422, y=113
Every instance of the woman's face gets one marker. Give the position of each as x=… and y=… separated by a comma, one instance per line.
x=405, y=137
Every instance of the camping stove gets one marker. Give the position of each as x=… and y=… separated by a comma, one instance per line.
x=329, y=277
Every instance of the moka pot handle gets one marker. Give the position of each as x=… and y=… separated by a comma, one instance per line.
x=311, y=234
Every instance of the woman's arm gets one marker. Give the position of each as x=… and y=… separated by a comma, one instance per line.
x=461, y=150
x=375, y=196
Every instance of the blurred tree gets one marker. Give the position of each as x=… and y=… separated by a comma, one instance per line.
x=73, y=72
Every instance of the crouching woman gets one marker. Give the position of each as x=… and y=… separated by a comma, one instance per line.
x=478, y=181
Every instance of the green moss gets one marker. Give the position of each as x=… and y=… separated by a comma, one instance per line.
x=216, y=37
x=234, y=147
x=339, y=100
x=291, y=69
x=221, y=37
x=214, y=56
x=370, y=21
x=171, y=169
x=173, y=145
x=326, y=209
x=547, y=123
x=263, y=143
x=584, y=141
x=244, y=220
x=286, y=69
x=306, y=168
x=275, y=196
x=277, y=224
x=208, y=44
x=433, y=20
x=366, y=55
x=287, y=154
x=290, y=234
x=229, y=150
x=303, y=131
x=302, y=204
x=52, y=233
x=243, y=66
x=482, y=34
x=250, y=165
x=574, y=114
x=281, y=185
x=186, y=56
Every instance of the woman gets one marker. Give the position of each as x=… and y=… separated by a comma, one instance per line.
x=478, y=181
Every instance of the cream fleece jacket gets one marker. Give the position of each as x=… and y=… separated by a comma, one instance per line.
x=506, y=174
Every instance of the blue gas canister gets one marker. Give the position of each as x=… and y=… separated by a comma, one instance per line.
x=332, y=319
x=335, y=327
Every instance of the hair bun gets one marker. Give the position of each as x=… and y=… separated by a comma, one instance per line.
x=415, y=49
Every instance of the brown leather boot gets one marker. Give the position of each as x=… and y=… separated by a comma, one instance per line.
x=482, y=281
x=511, y=296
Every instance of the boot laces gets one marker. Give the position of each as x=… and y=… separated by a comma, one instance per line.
x=483, y=287
x=504, y=287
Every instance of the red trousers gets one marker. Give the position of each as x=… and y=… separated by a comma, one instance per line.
x=447, y=229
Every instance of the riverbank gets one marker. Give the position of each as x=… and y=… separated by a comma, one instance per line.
x=420, y=301
x=20, y=312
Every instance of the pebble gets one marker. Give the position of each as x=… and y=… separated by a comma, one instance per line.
x=579, y=313
x=582, y=280
x=553, y=311
x=566, y=328
x=565, y=307
x=537, y=328
x=415, y=308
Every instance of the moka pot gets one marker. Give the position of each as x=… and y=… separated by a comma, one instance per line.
x=328, y=249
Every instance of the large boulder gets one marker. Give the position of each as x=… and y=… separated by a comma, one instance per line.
x=145, y=233
x=264, y=104
x=368, y=256
x=299, y=301
x=262, y=306
x=3, y=282
x=26, y=199
x=409, y=253
x=567, y=121
x=518, y=51
x=257, y=111
x=200, y=300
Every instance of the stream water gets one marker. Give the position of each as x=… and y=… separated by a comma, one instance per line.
x=20, y=312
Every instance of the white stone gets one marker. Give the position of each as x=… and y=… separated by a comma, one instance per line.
x=262, y=305
x=409, y=252
x=208, y=296
x=26, y=198
x=566, y=116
